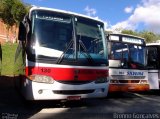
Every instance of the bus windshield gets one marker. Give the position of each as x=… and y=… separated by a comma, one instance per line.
x=131, y=55
x=68, y=37
x=137, y=55
x=90, y=37
x=52, y=31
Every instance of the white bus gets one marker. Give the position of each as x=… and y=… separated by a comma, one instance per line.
x=154, y=65
x=127, y=63
x=61, y=55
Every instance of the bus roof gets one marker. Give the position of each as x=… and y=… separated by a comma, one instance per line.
x=126, y=35
x=119, y=37
x=153, y=44
x=65, y=12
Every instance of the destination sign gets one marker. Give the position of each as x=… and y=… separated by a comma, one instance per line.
x=114, y=38
x=132, y=40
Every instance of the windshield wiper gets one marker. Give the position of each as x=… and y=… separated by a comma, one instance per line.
x=85, y=53
x=62, y=56
x=70, y=43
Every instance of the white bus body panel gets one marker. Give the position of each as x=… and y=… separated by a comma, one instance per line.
x=129, y=73
x=153, y=79
x=30, y=90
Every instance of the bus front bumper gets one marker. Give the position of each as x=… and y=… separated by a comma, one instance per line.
x=128, y=87
x=59, y=91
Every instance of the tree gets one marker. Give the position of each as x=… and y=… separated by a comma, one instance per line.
x=149, y=36
x=11, y=12
x=18, y=11
x=1, y=8
x=6, y=15
x=130, y=32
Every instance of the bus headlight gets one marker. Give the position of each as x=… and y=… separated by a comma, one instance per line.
x=41, y=79
x=102, y=80
x=114, y=81
x=144, y=81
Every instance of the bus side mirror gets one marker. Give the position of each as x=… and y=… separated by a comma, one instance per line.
x=124, y=62
x=22, y=32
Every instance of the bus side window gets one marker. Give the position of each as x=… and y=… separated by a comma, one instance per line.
x=152, y=58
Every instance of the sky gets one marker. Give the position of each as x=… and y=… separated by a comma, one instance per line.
x=137, y=15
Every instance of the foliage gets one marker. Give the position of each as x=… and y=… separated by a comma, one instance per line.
x=18, y=11
x=130, y=32
x=6, y=15
x=12, y=11
x=1, y=7
x=147, y=35
x=8, y=52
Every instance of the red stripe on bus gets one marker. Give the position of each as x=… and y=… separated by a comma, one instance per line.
x=68, y=74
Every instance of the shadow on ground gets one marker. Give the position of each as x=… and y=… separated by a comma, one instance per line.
x=13, y=104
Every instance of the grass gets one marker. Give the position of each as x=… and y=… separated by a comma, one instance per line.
x=8, y=53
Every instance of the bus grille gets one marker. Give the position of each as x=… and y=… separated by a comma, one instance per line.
x=72, y=92
x=74, y=82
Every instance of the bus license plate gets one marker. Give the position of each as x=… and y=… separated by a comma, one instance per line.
x=73, y=97
x=131, y=88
